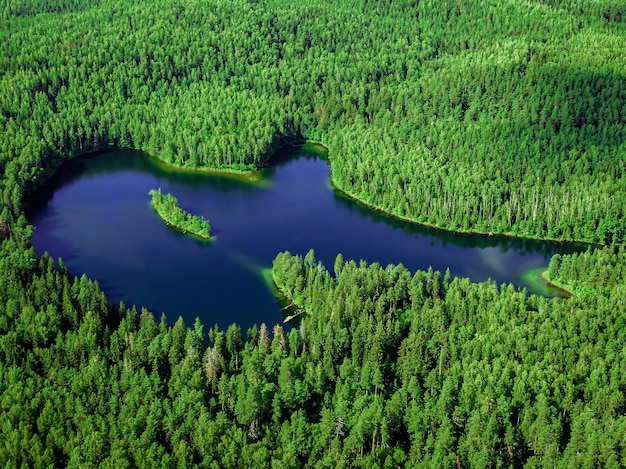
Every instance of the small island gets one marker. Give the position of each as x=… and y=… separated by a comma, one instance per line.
x=166, y=206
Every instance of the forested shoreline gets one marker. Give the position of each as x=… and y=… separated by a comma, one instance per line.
x=389, y=369
x=589, y=273
x=505, y=118
x=403, y=114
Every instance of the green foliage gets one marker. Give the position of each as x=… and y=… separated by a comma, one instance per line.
x=470, y=115
x=467, y=374
x=166, y=206
x=590, y=273
x=503, y=118
x=390, y=369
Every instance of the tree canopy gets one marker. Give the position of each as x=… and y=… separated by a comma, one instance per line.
x=390, y=368
x=166, y=206
x=504, y=117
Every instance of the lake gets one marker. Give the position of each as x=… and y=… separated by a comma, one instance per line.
x=95, y=214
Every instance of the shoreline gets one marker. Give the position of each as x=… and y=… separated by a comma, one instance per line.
x=556, y=286
x=249, y=175
x=254, y=176
x=297, y=309
x=238, y=173
x=370, y=206
x=181, y=230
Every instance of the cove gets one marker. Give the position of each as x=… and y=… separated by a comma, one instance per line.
x=95, y=214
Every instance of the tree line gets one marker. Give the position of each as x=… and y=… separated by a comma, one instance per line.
x=390, y=368
x=504, y=119
x=589, y=273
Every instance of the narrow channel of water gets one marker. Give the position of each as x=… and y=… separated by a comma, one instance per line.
x=95, y=214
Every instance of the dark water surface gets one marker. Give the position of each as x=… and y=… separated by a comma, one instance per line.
x=95, y=214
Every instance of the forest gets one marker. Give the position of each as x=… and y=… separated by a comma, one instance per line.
x=166, y=206
x=525, y=102
x=471, y=115
x=389, y=369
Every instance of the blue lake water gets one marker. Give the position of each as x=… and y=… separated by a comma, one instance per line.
x=95, y=214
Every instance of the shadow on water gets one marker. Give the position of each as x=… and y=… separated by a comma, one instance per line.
x=286, y=155
x=110, y=162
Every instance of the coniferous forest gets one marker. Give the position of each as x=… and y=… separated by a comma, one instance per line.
x=494, y=117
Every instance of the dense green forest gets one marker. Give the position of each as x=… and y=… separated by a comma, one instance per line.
x=166, y=206
x=589, y=273
x=390, y=369
x=498, y=117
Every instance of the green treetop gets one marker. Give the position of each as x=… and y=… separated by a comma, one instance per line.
x=166, y=206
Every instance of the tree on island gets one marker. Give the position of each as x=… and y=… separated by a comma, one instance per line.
x=166, y=206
